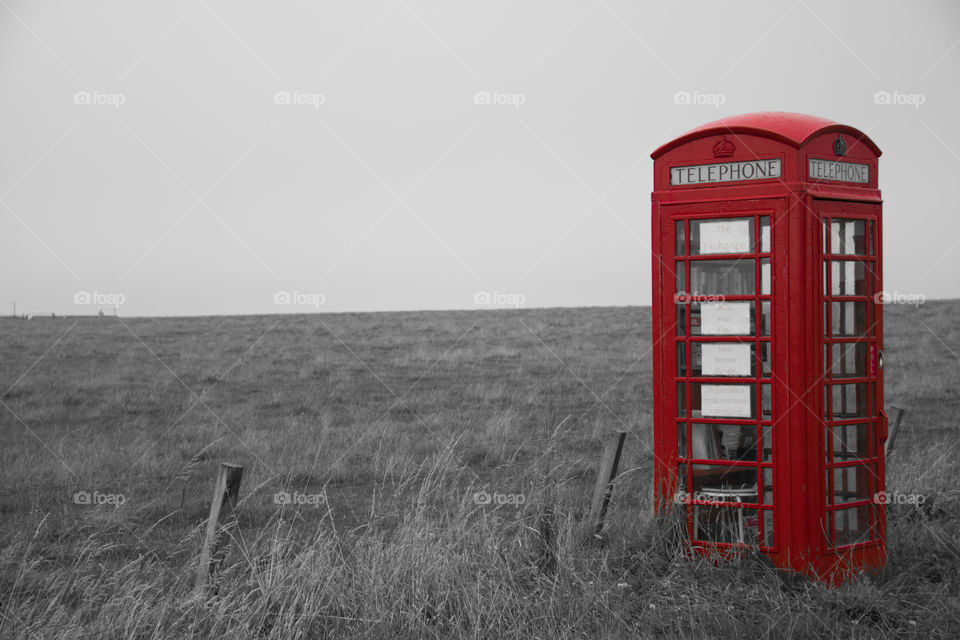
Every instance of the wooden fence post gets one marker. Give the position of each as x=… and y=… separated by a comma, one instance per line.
x=225, y=493
x=891, y=438
x=606, y=473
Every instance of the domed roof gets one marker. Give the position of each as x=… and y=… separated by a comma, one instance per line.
x=794, y=129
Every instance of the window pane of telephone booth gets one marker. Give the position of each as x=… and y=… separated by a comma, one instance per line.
x=724, y=442
x=681, y=439
x=727, y=359
x=849, y=278
x=848, y=359
x=723, y=318
x=849, y=319
x=727, y=235
x=722, y=277
x=851, y=526
x=680, y=248
x=767, y=488
x=765, y=234
x=734, y=525
x=724, y=483
x=848, y=237
x=851, y=484
x=680, y=277
x=766, y=449
x=850, y=442
x=850, y=400
x=709, y=400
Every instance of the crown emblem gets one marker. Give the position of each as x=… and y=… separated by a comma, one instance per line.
x=839, y=146
x=723, y=149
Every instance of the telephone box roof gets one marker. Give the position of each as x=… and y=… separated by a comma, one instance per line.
x=794, y=129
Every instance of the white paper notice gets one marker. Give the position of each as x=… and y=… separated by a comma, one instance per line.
x=726, y=359
x=725, y=237
x=725, y=318
x=725, y=401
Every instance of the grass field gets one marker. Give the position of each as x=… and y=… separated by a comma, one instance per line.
x=395, y=421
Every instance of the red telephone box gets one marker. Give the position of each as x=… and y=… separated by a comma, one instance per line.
x=767, y=329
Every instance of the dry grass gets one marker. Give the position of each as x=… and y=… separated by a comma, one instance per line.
x=398, y=419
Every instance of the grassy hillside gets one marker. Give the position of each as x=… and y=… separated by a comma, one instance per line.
x=396, y=421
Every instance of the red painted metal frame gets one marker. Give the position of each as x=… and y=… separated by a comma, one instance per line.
x=797, y=209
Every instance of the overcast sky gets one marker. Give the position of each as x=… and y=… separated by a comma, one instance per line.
x=147, y=153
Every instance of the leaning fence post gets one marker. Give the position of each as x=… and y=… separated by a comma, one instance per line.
x=225, y=493
x=606, y=473
x=888, y=447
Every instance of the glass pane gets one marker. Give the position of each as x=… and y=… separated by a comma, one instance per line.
x=768, y=528
x=850, y=442
x=851, y=526
x=850, y=400
x=711, y=400
x=765, y=319
x=725, y=524
x=727, y=235
x=767, y=453
x=678, y=229
x=681, y=319
x=765, y=277
x=766, y=406
x=765, y=234
x=870, y=237
x=722, y=278
x=848, y=237
x=681, y=282
x=724, y=442
x=851, y=484
x=733, y=359
x=765, y=359
x=767, y=493
x=681, y=359
x=723, y=318
x=849, y=359
x=681, y=399
x=721, y=483
x=849, y=278
x=848, y=319
x=682, y=440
